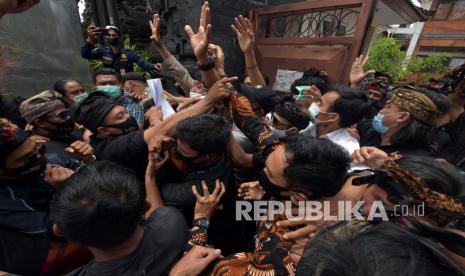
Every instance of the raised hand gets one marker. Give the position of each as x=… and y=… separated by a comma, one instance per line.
x=195, y=261
x=370, y=156
x=154, y=115
x=218, y=55
x=160, y=143
x=81, y=150
x=155, y=27
x=301, y=228
x=220, y=90
x=201, y=39
x=357, y=73
x=92, y=33
x=251, y=191
x=181, y=101
x=207, y=204
x=156, y=162
x=244, y=32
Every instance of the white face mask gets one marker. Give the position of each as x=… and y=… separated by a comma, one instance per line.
x=314, y=111
x=278, y=133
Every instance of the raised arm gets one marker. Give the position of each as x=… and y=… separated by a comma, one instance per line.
x=218, y=57
x=157, y=158
x=199, y=42
x=88, y=50
x=357, y=73
x=217, y=93
x=238, y=156
x=245, y=36
x=170, y=63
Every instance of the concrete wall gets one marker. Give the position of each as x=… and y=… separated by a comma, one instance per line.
x=41, y=46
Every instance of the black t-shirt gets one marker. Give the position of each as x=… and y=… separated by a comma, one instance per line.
x=129, y=150
x=59, y=144
x=225, y=231
x=456, y=131
x=164, y=241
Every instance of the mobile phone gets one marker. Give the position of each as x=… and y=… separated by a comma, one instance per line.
x=364, y=177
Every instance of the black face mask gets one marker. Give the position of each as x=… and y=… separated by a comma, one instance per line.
x=65, y=127
x=127, y=126
x=113, y=41
x=270, y=188
x=190, y=162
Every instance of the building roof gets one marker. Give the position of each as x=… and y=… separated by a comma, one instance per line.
x=408, y=10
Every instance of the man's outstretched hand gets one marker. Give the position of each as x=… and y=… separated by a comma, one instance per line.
x=244, y=31
x=201, y=39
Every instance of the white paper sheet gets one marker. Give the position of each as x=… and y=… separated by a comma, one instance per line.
x=159, y=97
x=284, y=80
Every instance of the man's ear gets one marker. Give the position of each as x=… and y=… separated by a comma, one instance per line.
x=56, y=230
x=103, y=131
x=292, y=131
x=38, y=122
x=334, y=117
x=404, y=117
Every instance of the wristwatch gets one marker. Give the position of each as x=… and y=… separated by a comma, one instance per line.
x=201, y=223
x=209, y=66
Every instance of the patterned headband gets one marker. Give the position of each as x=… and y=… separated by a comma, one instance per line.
x=417, y=104
x=444, y=208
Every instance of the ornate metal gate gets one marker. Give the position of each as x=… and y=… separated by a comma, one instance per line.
x=326, y=34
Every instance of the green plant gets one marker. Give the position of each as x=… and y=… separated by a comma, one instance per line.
x=386, y=56
x=142, y=53
x=423, y=68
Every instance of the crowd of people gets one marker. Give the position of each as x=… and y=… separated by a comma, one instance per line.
x=103, y=183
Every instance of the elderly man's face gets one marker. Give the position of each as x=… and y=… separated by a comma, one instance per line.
x=16, y=6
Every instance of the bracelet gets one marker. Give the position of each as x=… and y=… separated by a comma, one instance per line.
x=209, y=66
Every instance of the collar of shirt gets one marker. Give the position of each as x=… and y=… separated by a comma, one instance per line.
x=340, y=136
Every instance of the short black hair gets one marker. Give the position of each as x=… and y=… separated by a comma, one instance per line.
x=310, y=77
x=105, y=71
x=437, y=176
x=316, y=165
x=293, y=113
x=59, y=85
x=205, y=133
x=100, y=205
x=352, y=105
x=385, y=249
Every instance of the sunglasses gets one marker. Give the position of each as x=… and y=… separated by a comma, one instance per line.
x=65, y=114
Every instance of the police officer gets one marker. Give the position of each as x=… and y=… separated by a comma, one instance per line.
x=114, y=55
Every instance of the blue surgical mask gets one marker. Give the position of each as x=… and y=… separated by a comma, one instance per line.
x=79, y=98
x=113, y=91
x=378, y=124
